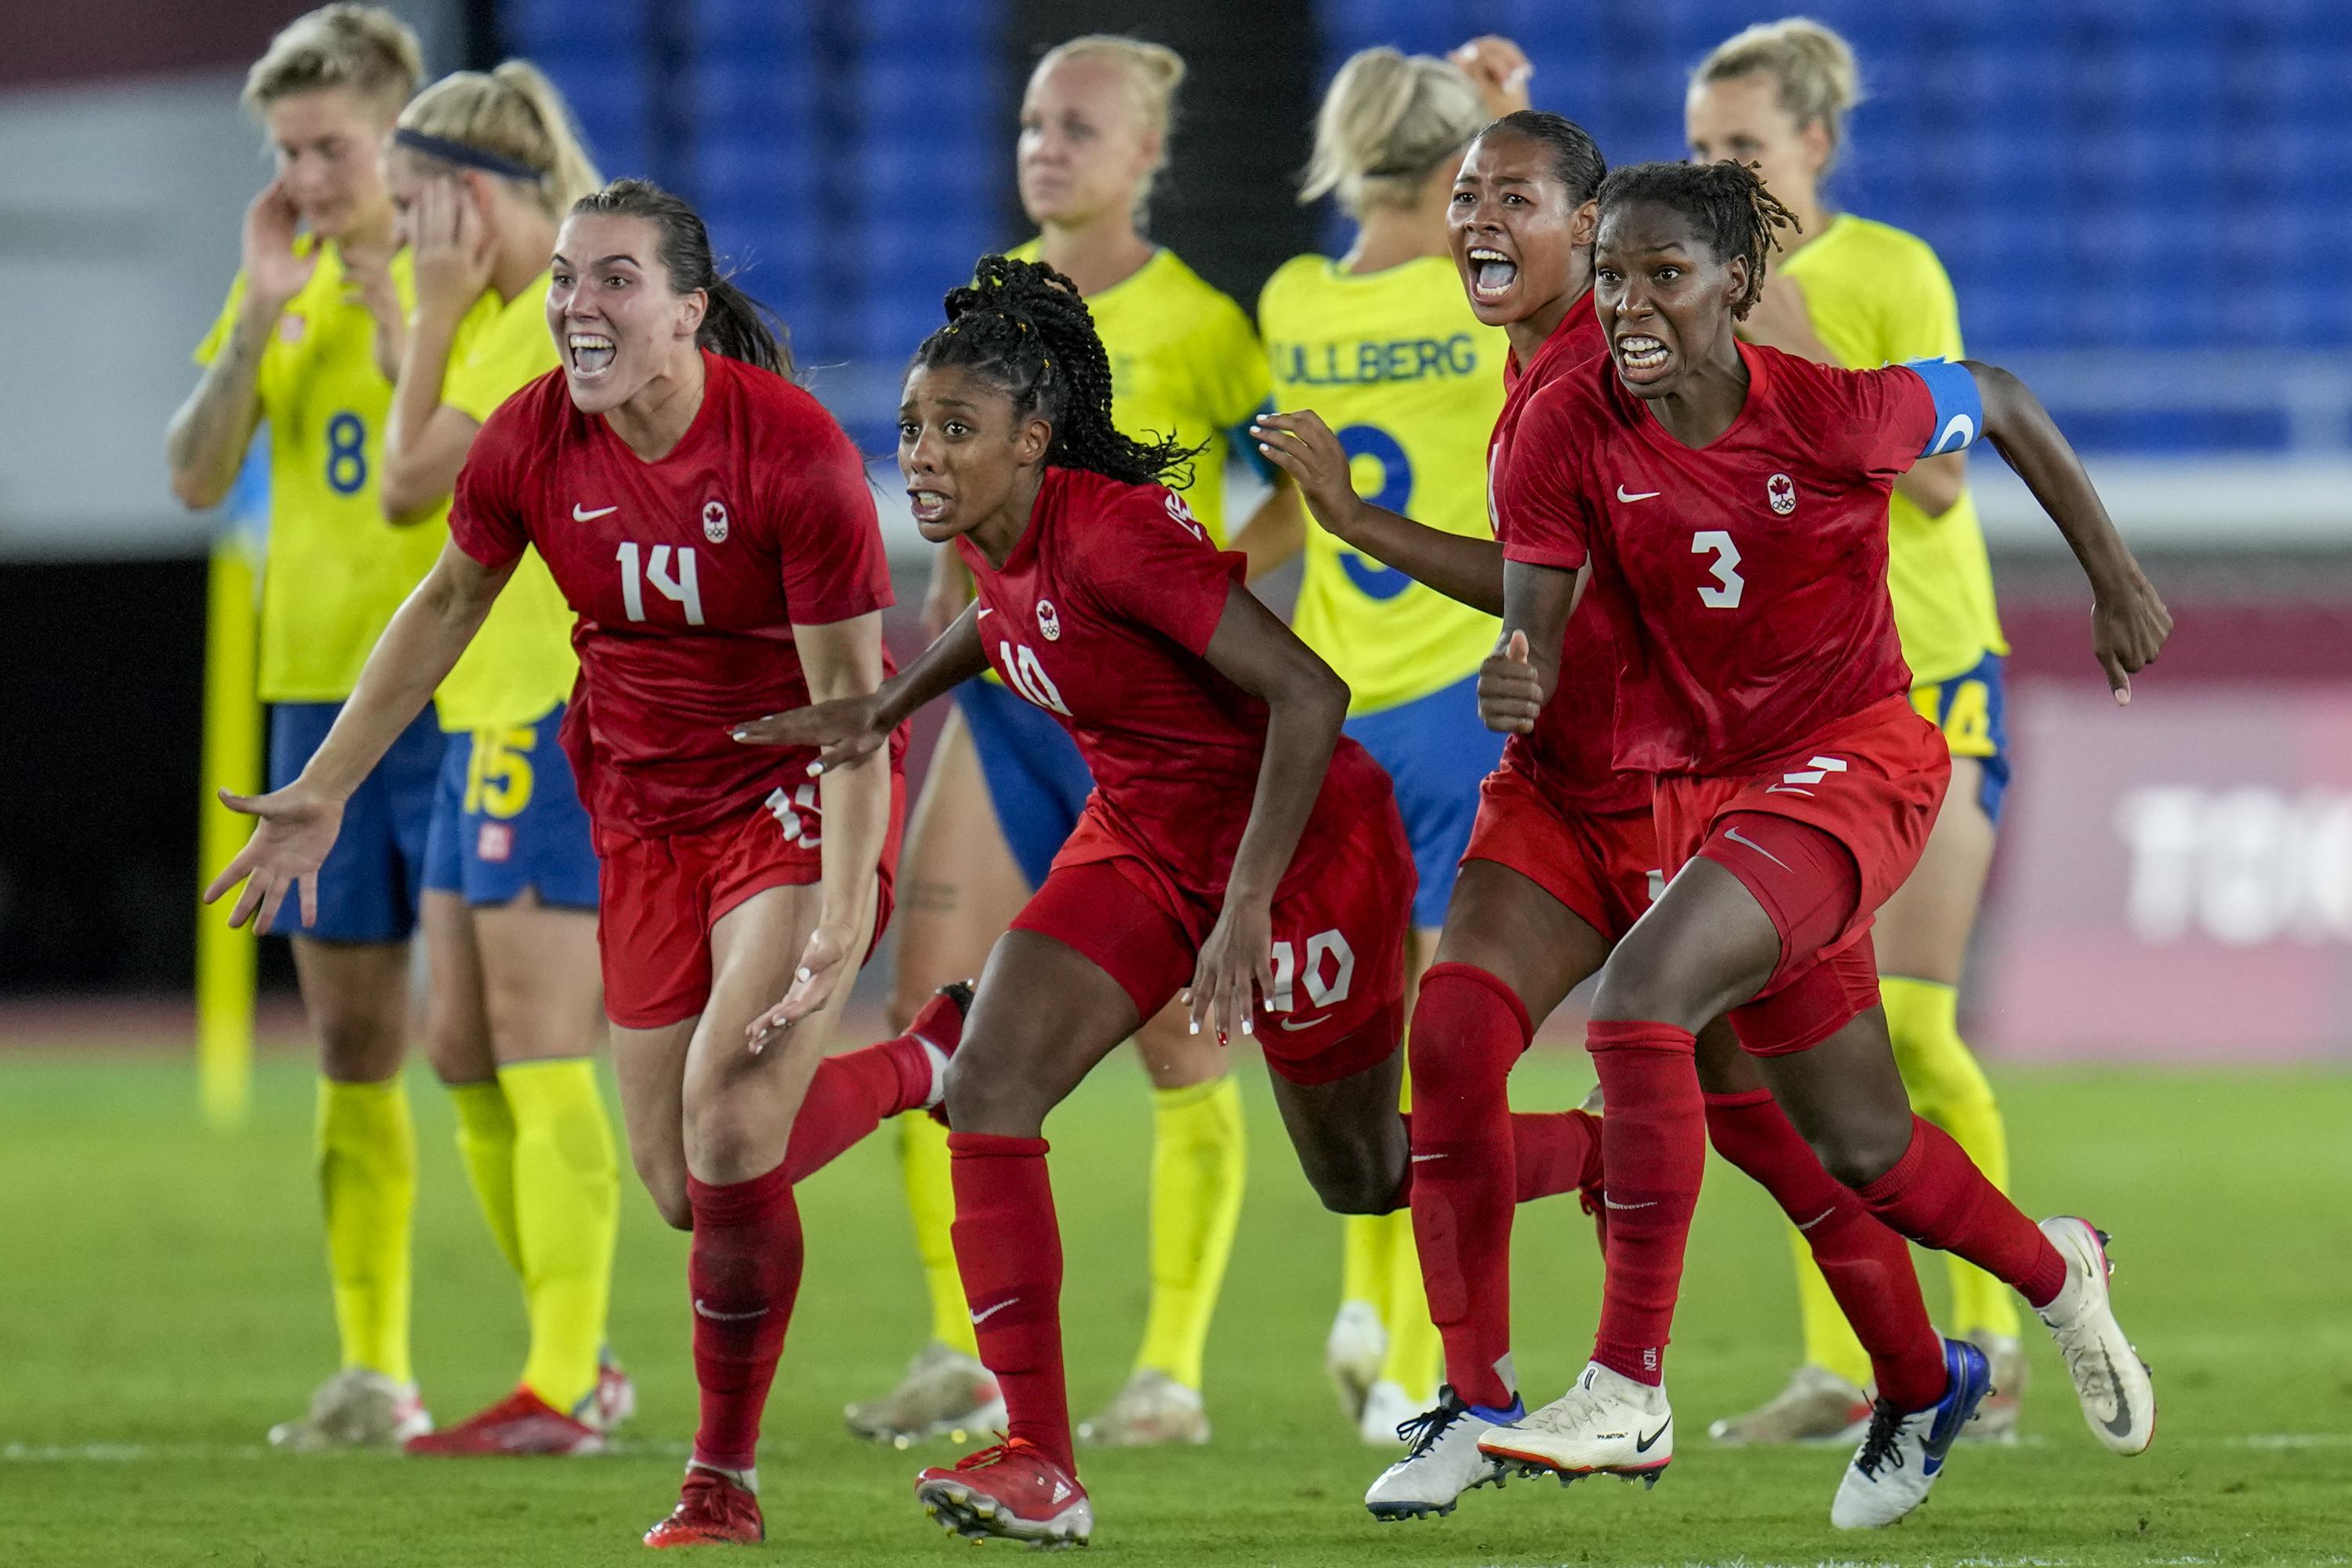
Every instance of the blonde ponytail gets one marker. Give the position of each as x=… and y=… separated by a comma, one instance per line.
x=364, y=47
x=1813, y=67
x=1153, y=72
x=1388, y=121
x=516, y=117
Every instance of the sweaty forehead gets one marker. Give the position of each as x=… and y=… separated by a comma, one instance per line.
x=1505, y=155
x=1641, y=228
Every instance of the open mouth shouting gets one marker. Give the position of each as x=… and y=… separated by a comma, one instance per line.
x=1492, y=273
x=1639, y=353
x=587, y=354
x=929, y=505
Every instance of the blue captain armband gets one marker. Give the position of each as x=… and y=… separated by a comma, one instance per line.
x=1960, y=406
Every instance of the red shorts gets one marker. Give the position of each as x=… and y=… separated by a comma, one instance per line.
x=1340, y=920
x=1869, y=787
x=658, y=897
x=1598, y=866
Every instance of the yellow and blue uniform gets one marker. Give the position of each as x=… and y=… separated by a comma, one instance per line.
x=1183, y=363
x=1410, y=383
x=1877, y=295
x=334, y=574
x=507, y=815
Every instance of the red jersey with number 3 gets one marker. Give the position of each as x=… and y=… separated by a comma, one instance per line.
x=1102, y=617
x=1570, y=754
x=1745, y=581
x=686, y=574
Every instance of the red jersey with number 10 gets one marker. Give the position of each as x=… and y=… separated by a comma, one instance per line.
x=1102, y=615
x=1570, y=756
x=686, y=574
x=1745, y=581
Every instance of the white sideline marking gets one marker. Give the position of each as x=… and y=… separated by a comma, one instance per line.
x=143, y=1453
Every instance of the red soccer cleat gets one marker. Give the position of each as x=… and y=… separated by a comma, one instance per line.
x=1012, y=1491
x=521, y=1422
x=711, y=1511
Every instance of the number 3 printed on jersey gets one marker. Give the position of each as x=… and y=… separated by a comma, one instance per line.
x=679, y=587
x=1730, y=584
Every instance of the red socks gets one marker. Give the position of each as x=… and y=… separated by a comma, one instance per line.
x=1868, y=1267
x=853, y=1093
x=1653, y=1146
x=742, y=1273
x=1939, y=1198
x=1008, y=1247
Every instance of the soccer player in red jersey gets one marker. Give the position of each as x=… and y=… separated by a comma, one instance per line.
x=1557, y=870
x=1726, y=503
x=712, y=527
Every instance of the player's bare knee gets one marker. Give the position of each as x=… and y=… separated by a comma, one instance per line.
x=665, y=1183
x=982, y=1099
x=1857, y=1154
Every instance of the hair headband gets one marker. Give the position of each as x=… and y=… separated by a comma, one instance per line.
x=465, y=154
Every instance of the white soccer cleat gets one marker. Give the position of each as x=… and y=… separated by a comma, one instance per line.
x=1388, y=1410
x=1153, y=1409
x=355, y=1408
x=1996, y=1419
x=1817, y=1406
x=1902, y=1455
x=945, y=1393
x=1352, y=1353
x=1607, y=1425
x=1442, y=1462
x=2117, y=1395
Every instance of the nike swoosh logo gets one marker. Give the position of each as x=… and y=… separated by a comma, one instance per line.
x=718, y=1317
x=1627, y=1208
x=1417, y=1159
x=979, y=1317
x=1293, y=1024
x=1784, y=789
x=1625, y=494
x=580, y=515
x=984, y=613
x=1734, y=834
x=2120, y=1424
x=1641, y=1445
x=1817, y=1219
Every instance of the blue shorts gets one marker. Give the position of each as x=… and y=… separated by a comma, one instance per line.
x=1972, y=710
x=1036, y=779
x=507, y=817
x=1438, y=753
x=373, y=876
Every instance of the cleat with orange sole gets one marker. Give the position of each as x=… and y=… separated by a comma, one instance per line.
x=711, y=1511
x=520, y=1425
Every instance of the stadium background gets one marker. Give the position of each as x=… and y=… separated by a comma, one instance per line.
x=2144, y=209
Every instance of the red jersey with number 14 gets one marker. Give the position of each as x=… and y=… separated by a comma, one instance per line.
x=1101, y=616
x=1570, y=756
x=1745, y=581
x=686, y=574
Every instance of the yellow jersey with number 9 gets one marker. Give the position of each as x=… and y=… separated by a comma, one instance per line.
x=1183, y=363
x=335, y=570
x=1411, y=383
x=521, y=663
x=1877, y=295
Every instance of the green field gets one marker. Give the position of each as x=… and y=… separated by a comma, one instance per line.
x=163, y=1301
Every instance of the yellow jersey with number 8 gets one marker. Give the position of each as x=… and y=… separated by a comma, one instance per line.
x=1183, y=363
x=1411, y=383
x=335, y=569
x=521, y=663
x=1877, y=295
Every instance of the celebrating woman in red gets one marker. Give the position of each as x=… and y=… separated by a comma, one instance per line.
x=1727, y=503
x=713, y=529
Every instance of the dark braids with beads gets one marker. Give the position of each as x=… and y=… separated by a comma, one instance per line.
x=1023, y=327
x=1728, y=203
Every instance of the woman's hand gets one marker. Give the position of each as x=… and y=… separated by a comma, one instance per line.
x=299, y=825
x=274, y=271
x=844, y=730
x=450, y=248
x=2128, y=626
x=368, y=275
x=1240, y=951
x=1499, y=68
x=1303, y=446
x=823, y=964
x=1510, y=692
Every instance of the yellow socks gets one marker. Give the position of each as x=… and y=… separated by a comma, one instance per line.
x=1198, y=1158
x=1416, y=1355
x=1366, y=1241
x=367, y=1181
x=567, y=1213
x=1949, y=1089
x=486, y=1141
x=931, y=1202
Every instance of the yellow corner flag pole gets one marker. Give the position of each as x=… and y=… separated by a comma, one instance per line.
x=225, y=959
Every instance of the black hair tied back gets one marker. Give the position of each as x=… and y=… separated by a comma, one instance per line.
x=1023, y=327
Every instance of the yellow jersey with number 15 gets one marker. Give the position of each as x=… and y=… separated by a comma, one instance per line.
x=1411, y=383
x=335, y=569
x=521, y=663
x=1877, y=295
x=1183, y=363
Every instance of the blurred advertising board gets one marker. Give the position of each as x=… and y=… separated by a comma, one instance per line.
x=2175, y=877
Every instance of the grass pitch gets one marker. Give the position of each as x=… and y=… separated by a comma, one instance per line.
x=162, y=1299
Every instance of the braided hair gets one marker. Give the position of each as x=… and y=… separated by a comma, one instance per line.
x=1022, y=326
x=1724, y=201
